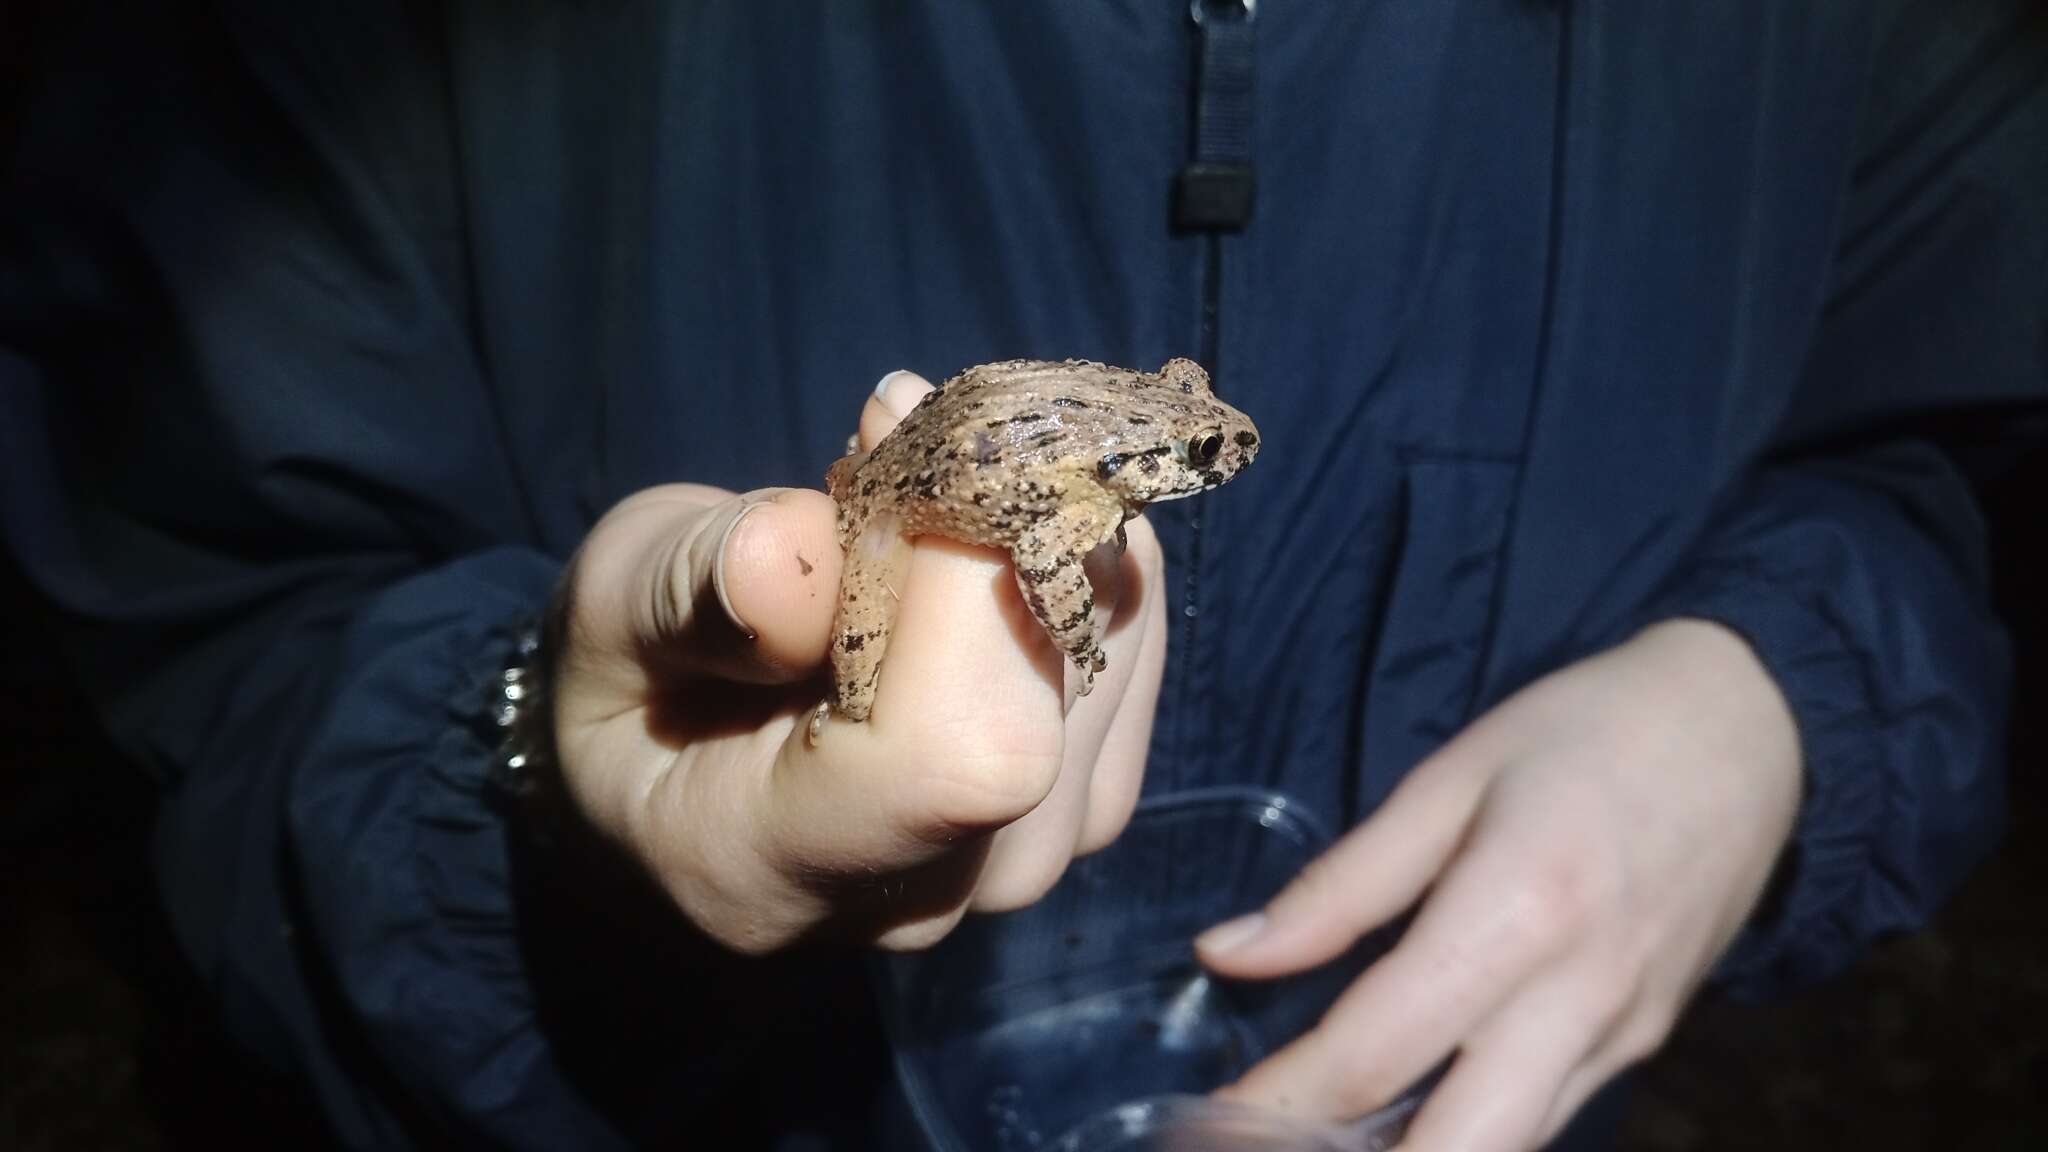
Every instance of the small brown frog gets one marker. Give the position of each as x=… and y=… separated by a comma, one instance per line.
x=1044, y=459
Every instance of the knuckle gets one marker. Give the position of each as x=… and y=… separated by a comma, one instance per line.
x=1103, y=827
x=919, y=935
x=739, y=930
x=1097, y=837
x=1359, y=1090
x=741, y=909
x=1361, y=1095
x=1019, y=886
x=973, y=779
x=1532, y=929
x=749, y=939
x=1563, y=892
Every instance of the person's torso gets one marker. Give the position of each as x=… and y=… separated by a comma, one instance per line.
x=716, y=225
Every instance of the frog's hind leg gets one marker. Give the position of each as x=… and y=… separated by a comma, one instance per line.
x=868, y=589
x=1051, y=573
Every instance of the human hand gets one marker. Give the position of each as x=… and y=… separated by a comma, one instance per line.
x=690, y=632
x=1588, y=848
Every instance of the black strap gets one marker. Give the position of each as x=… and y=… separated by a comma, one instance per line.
x=1214, y=191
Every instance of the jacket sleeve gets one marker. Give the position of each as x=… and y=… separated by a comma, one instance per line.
x=249, y=456
x=1855, y=561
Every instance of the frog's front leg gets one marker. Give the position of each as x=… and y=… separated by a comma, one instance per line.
x=1049, y=559
x=868, y=589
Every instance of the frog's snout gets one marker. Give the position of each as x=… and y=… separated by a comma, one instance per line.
x=1244, y=447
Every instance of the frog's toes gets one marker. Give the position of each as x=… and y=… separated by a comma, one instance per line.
x=1088, y=664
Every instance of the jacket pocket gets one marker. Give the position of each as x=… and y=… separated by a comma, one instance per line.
x=1440, y=608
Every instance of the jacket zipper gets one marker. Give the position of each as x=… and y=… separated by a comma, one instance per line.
x=1212, y=196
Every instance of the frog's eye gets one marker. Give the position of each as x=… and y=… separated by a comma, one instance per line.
x=1202, y=452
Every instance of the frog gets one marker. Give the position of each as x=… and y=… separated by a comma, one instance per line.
x=1046, y=460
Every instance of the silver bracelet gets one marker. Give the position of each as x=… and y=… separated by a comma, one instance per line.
x=519, y=710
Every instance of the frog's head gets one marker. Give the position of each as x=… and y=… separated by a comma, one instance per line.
x=1179, y=442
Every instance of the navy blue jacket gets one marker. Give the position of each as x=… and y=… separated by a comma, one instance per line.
x=324, y=338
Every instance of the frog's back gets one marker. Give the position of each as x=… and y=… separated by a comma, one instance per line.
x=1002, y=445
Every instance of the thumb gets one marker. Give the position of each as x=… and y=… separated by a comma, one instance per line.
x=744, y=590
x=693, y=582
x=1370, y=876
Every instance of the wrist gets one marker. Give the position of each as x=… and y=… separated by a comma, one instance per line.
x=1733, y=710
x=1718, y=670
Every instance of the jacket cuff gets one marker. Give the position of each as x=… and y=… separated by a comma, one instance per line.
x=1803, y=928
x=404, y=854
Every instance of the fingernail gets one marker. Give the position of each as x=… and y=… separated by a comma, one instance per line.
x=1232, y=934
x=891, y=396
x=718, y=568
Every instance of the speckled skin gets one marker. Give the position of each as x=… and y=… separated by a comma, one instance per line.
x=1042, y=458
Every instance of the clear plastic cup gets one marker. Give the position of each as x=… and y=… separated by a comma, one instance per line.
x=1088, y=1008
